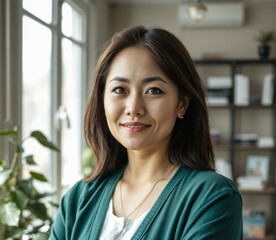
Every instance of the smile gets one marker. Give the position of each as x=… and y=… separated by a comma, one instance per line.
x=135, y=126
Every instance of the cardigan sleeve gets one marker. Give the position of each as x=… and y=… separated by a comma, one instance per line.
x=66, y=214
x=58, y=228
x=219, y=218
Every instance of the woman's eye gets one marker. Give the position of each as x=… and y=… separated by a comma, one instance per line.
x=119, y=90
x=155, y=90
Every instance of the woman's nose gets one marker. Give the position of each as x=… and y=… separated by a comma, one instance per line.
x=135, y=106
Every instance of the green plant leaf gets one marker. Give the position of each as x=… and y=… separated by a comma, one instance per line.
x=38, y=176
x=39, y=210
x=2, y=165
x=41, y=236
x=19, y=149
x=16, y=232
x=13, y=131
x=4, y=175
x=7, y=133
x=54, y=204
x=43, y=195
x=26, y=186
x=42, y=139
x=20, y=198
x=30, y=160
x=9, y=214
x=265, y=37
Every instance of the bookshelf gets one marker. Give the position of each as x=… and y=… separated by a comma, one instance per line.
x=268, y=190
x=255, y=117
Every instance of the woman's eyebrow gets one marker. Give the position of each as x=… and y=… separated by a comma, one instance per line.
x=146, y=80
x=119, y=79
x=153, y=79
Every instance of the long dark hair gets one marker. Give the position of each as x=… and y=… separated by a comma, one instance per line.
x=190, y=144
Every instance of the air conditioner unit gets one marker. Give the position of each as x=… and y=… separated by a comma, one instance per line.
x=217, y=15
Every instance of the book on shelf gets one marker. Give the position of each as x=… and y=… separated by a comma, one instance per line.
x=217, y=101
x=218, y=82
x=265, y=142
x=254, y=224
x=246, y=138
x=250, y=183
x=253, y=139
x=241, y=90
x=218, y=90
x=268, y=90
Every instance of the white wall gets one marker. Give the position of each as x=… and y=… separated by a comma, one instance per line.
x=98, y=29
x=229, y=42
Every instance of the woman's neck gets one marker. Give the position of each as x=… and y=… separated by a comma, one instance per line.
x=147, y=166
x=144, y=178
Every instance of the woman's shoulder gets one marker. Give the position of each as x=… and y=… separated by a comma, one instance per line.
x=208, y=182
x=83, y=190
x=80, y=190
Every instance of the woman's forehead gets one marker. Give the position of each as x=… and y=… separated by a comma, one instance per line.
x=134, y=61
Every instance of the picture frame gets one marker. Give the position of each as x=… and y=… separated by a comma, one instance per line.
x=257, y=166
x=254, y=224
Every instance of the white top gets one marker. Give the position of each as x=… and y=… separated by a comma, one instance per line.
x=119, y=228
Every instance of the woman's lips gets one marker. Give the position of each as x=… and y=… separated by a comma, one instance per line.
x=135, y=126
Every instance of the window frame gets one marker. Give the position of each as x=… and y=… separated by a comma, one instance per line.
x=12, y=13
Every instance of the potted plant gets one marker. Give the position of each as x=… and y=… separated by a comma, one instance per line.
x=23, y=208
x=264, y=39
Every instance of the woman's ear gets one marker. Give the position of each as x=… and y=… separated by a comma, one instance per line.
x=183, y=106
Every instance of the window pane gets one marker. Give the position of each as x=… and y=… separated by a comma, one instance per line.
x=71, y=102
x=72, y=22
x=36, y=95
x=40, y=8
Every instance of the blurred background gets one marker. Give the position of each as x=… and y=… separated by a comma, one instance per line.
x=48, y=50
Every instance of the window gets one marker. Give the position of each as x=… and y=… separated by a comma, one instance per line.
x=72, y=54
x=53, y=69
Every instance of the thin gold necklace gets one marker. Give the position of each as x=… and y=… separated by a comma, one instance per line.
x=144, y=199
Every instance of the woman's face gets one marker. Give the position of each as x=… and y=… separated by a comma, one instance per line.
x=141, y=103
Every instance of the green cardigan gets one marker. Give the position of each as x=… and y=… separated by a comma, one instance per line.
x=194, y=205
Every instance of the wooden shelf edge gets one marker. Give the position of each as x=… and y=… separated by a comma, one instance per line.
x=268, y=237
x=237, y=60
x=267, y=190
x=254, y=106
x=237, y=147
x=240, y=147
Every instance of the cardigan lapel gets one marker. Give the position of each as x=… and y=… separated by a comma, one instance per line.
x=158, y=204
x=106, y=197
x=103, y=204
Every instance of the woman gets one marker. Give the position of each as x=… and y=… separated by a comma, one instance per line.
x=147, y=123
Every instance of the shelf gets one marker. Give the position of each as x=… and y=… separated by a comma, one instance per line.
x=250, y=107
x=268, y=237
x=266, y=191
x=227, y=146
x=235, y=61
x=238, y=120
x=254, y=106
x=252, y=148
